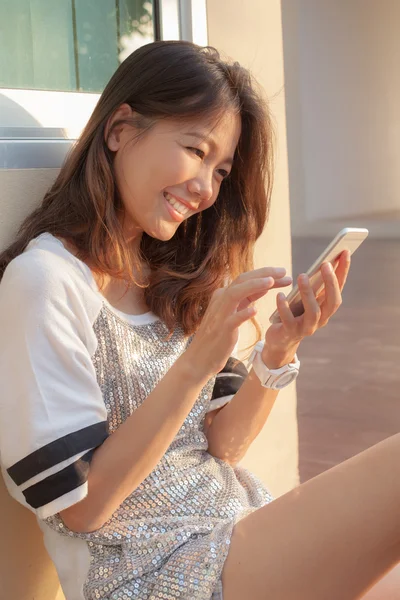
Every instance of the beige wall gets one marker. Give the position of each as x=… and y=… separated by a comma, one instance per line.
x=251, y=33
x=342, y=94
x=20, y=191
x=26, y=572
x=254, y=38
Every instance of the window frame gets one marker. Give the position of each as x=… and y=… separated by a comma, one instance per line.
x=58, y=117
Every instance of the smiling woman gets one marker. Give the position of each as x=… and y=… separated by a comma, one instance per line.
x=137, y=147
x=123, y=414
x=157, y=206
x=169, y=174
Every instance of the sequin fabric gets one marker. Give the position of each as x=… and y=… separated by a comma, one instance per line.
x=169, y=539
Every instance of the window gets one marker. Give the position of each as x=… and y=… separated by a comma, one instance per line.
x=70, y=45
x=56, y=57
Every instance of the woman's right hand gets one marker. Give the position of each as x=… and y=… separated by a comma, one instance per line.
x=229, y=308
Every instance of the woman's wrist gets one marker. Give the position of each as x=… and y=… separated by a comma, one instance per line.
x=190, y=371
x=275, y=358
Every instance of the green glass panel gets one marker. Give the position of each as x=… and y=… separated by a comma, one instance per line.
x=36, y=44
x=69, y=45
x=129, y=11
x=97, y=45
x=135, y=24
x=16, y=64
x=53, y=43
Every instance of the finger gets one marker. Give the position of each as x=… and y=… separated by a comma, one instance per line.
x=343, y=268
x=237, y=297
x=286, y=315
x=240, y=317
x=333, y=296
x=283, y=282
x=247, y=301
x=312, y=310
x=321, y=294
x=275, y=272
x=321, y=297
x=255, y=297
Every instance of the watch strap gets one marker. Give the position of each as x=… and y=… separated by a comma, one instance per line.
x=275, y=379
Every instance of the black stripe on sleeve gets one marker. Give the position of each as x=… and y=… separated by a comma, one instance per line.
x=234, y=365
x=229, y=379
x=60, y=483
x=226, y=385
x=55, y=452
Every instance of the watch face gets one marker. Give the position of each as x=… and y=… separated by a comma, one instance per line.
x=286, y=378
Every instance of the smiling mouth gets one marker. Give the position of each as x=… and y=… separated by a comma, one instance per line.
x=176, y=205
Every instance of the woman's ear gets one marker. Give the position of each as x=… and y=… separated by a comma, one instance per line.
x=112, y=134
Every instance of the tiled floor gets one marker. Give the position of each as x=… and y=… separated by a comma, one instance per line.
x=349, y=389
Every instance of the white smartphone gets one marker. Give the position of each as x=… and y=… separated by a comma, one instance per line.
x=348, y=239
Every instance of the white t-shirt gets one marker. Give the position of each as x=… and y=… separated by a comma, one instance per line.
x=52, y=412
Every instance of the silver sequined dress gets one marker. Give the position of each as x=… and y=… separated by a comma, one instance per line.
x=170, y=537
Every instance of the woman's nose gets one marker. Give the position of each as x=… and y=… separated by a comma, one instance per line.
x=201, y=186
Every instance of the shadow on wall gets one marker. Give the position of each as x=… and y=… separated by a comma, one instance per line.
x=13, y=115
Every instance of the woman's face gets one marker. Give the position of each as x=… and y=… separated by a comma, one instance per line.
x=172, y=172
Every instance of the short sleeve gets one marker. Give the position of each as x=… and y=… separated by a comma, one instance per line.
x=52, y=414
x=227, y=383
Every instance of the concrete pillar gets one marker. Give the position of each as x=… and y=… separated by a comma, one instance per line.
x=252, y=34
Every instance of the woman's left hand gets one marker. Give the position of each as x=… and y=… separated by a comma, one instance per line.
x=282, y=339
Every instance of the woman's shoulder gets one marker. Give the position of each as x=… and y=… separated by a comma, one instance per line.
x=46, y=272
x=46, y=259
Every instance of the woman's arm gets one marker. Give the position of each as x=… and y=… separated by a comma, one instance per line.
x=232, y=429
x=129, y=455
x=235, y=426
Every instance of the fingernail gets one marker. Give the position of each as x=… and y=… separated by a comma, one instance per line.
x=268, y=280
x=303, y=278
x=329, y=266
x=280, y=272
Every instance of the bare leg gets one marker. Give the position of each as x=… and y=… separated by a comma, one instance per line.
x=331, y=538
x=387, y=588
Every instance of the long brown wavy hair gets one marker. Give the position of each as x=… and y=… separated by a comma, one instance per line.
x=159, y=81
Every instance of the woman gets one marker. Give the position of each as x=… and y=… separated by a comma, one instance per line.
x=121, y=416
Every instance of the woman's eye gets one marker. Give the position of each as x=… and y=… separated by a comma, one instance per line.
x=197, y=151
x=201, y=154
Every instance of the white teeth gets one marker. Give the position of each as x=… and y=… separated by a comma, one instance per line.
x=180, y=208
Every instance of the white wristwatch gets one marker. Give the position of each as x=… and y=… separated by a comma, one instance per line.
x=274, y=379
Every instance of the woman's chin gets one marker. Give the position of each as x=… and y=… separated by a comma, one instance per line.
x=163, y=233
